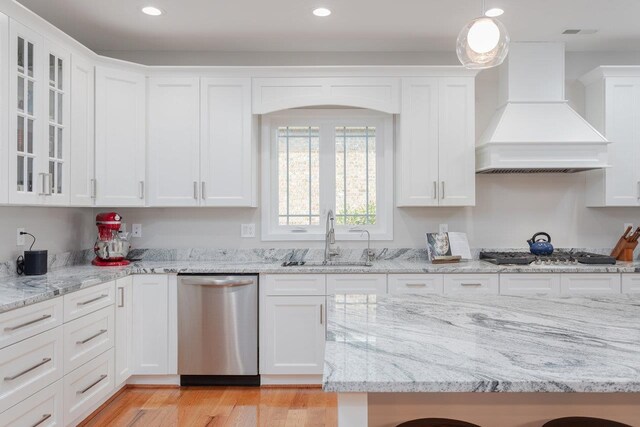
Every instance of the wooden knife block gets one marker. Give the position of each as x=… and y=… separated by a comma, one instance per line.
x=624, y=249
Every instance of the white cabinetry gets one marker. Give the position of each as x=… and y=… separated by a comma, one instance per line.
x=82, y=181
x=45, y=408
x=227, y=151
x=174, y=141
x=613, y=106
x=356, y=284
x=153, y=347
x=124, y=329
x=415, y=283
x=590, y=283
x=630, y=283
x=5, y=139
x=120, y=137
x=484, y=283
x=530, y=284
x=436, y=145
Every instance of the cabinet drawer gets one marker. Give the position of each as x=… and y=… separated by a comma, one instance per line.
x=29, y=366
x=87, y=386
x=43, y=409
x=631, y=283
x=25, y=322
x=415, y=283
x=471, y=283
x=590, y=283
x=530, y=284
x=295, y=284
x=356, y=284
x=88, y=300
x=87, y=337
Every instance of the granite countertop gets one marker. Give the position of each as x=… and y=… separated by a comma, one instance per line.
x=439, y=343
x=16, y=292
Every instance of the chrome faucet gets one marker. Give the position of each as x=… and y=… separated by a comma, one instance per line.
x=369, y=253
x=330, y=238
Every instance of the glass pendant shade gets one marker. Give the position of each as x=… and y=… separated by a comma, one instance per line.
x=482, y=43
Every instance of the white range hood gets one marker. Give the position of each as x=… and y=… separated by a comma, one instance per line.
x=534, y=129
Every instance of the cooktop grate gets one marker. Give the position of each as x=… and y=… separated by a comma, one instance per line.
x=558, y=257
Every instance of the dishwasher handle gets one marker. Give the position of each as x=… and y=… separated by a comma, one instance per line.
x=222, y=283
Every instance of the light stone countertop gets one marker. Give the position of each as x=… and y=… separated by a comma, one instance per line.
x=17, y=292
x=499, y=343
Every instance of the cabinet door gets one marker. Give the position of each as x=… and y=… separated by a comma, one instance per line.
x=483, y=283
x=417, y=143
x=457, y=151
x=357, y=284
x=530, y=284
x=294, y=335
x=590, y=283
x=630, y=283
x=4, y=111
x=82, y=181
x=415, y=283
x=174, y=141
x=120, y=138
x=622, y=107
x=151, y=324
x=27, y=181
x=124, y=329
x=57, y=125
x=227, y=149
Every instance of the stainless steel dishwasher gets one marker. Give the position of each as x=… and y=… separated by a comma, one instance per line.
x=218, y=330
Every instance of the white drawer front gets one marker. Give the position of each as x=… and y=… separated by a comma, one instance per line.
x=295, y=284
x=529, y=284
x=415, y=283
x=590, y=283
x=356, y=284
x=87, y=337
x=631, y=283
x=43, y=409
x=29, y=366
x=471, y=283
x=87, y=386
x=85, y=301
x=25, y=322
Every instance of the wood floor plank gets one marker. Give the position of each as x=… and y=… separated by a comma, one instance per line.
x=219, y=407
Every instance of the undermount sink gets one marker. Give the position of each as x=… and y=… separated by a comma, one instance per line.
x=326, y=264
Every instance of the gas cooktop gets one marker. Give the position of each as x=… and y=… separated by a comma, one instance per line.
x=557, y=258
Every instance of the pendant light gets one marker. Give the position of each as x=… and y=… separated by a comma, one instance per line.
x=483, y=42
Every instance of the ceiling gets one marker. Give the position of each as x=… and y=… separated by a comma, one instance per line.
x=355, y=25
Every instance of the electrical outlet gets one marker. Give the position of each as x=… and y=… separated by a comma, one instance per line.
x=20, y=237
x=627, y=225
x=248, y=230
x=443, y=228
x=136, y=230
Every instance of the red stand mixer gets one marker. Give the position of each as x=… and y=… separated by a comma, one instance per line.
x=111, y=247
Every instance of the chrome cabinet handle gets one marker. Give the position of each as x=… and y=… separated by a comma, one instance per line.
x=435, y=189
x=474, y=285
x=443, y=196
x=121, y=303
x=93, y=299
x=416, y=285
x=50, y=186
x=638, y=188
x=44, y=418
x=93, y=188
x=30, y=322
x=26, y=371
x=224, y=283
x=203, y=194
x=142, y=189
x=322, y=314
x=86, y=340
x=93, y=384
x=195, y=190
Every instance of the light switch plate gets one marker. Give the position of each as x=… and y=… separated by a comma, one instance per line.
x=136, y=230
x=248, y=230
x=20, y=237
x=443, y=228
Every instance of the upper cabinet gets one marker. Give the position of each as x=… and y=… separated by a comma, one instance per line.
x=202, y=149
x=4, y=109
x=82, y=183
x=435, y=146
x=120, y=137
x=39, y=111
x=613, y=107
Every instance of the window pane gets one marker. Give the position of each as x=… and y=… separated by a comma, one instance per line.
x=30, y=59
x=52, y=105
x=298, y=175
x=52, y=70
x=59, y=73
x=52, y=141
x=20, y=55
x=29, y=136
x=355, y=175
x=20, y=93
x=30, y=174
x=60, y=143
x=59, y=179
x=20, y=175
x=60, y=108
x=30, y=97
x=20, y=135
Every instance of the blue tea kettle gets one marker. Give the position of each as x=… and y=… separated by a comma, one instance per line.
x=540, y=245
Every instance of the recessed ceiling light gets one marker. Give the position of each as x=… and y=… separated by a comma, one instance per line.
x=322, y=12
x=492, y=13
x=152, y=11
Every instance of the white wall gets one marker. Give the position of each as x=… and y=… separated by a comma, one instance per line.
x=57, y=229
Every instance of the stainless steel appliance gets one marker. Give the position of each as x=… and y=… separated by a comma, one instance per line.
x=218, y=330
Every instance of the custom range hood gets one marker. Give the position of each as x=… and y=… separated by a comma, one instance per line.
x=534, y=129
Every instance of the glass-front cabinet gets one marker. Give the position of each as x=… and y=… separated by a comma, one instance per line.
x=38, y=139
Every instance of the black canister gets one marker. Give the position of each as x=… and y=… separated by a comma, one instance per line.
x=33, y=263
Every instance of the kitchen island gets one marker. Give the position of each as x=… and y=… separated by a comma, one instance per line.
x=499, y=361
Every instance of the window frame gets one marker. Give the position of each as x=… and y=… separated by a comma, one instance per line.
x=327, y=119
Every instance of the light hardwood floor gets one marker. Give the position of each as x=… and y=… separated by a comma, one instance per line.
x=219, y=406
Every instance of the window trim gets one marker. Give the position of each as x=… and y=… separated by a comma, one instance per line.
x=384, y=123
